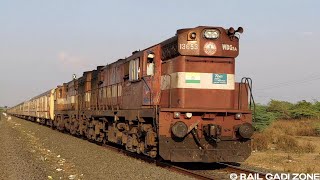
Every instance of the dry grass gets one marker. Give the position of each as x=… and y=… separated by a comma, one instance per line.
x=287, y=146
x=260, y=142
x=285, y=162
x=296, y=127
x=281, y=135
x=287, y=143
x=263, y=142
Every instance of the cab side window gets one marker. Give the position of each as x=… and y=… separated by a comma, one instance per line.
x=150, y=64
x=134, y=69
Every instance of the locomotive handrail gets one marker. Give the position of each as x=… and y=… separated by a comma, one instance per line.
x=248, y=81
x=151, y=100
x=169, y=90
x=154, y=121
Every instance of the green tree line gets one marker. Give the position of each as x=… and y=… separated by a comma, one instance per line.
x=275, y=109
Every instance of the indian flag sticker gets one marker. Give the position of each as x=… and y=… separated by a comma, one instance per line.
x=192, y=77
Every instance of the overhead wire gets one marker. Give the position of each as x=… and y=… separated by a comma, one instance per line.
x=291, y=82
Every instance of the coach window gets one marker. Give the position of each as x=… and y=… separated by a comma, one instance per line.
x=134, y=69
x=60, y=93
x=150, y=64
x=126, y=71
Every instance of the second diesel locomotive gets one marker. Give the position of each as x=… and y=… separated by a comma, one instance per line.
x=177, y=99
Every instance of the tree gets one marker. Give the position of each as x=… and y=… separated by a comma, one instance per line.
x=263, y=118
x=280, y=108
x=304, y=109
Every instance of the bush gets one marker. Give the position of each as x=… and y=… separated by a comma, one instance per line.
x=281, y=109
x=266, y=114
x=262, y=117
x=304, y=109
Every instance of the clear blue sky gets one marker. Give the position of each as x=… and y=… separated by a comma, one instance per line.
x=42, y=43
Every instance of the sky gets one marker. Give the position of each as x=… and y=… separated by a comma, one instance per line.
x=42, y=43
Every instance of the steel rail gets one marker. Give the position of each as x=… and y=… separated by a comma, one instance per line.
x=235, y=169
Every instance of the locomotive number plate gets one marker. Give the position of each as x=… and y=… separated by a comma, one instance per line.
x=191, y=46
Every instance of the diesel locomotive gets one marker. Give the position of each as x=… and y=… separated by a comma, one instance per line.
x=177, y=100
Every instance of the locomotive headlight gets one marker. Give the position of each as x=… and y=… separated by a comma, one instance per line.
x=176, y=115
x=179, y=129
x=192, y=36
x=238, y=116
x=188, y=115
x=211, y=33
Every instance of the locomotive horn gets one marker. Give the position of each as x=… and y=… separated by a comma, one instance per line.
x=231, y=30
x=239, y=30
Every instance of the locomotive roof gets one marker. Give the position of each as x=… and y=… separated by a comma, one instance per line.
x=138, y=53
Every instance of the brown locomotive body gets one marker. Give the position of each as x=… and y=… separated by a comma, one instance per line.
x=177, y=99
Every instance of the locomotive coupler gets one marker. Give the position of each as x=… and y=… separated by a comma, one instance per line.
x=212, y=131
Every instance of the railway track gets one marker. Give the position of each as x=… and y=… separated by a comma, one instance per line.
x=235, y=169
x=219, y=171
x=209, y=172
x=158, y=162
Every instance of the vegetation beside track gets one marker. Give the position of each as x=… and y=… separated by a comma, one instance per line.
x=275, y=110
x=287, y=145
x=287, y=137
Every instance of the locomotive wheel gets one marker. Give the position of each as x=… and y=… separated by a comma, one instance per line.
x=67, y=124
x=90, y=131
x=153, y=153
x=74, y=126
x=58, y=123
x=72, y=130
x=54, y=123
x=82, y=127
x=129, y=144
x=140, y=148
